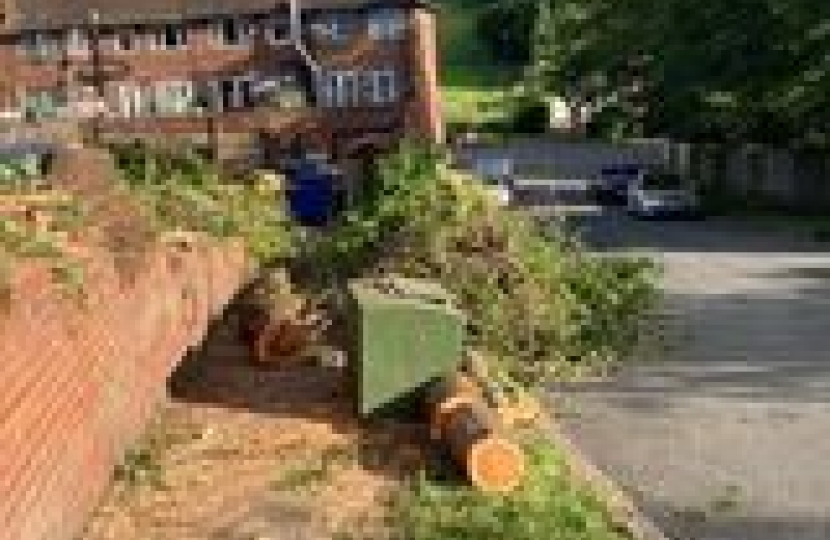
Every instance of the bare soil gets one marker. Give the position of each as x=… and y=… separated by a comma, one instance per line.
x=245, y=452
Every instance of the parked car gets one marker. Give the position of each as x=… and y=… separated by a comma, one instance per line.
x=662, y=194
x=611, y=187
x=497, y=176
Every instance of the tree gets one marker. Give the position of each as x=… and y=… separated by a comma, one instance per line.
x=746, y=69
x=507, y=26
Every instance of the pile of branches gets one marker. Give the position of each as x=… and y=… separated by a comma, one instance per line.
x=538, y=302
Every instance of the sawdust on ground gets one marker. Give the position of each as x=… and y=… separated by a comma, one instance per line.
x=242, y=452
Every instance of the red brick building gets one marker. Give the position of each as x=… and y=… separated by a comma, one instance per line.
x=244, y=77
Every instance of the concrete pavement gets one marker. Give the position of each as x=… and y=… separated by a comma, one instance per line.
x=726, y=436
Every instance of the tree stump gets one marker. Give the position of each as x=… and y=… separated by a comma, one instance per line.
x=490, y=462
x=277, y=323
x=459, y=415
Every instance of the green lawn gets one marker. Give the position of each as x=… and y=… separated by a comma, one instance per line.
x=476, y=89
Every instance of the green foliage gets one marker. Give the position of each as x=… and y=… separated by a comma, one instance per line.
x=140, y=466
x=540, y=304
x=477, y=84
x=19, y=242
x=530, y=116
x=314, y=471
x=506, y=27
x=21, y=173
x=182, y=192
x=749, y=70
x=548, y=505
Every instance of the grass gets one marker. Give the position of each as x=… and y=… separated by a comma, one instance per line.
x=476, y=89
x=549, y=505
x=313, y=472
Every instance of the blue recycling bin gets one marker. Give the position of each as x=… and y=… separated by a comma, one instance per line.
x=311, y=195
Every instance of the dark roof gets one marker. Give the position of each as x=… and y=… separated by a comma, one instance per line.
x=44, y=14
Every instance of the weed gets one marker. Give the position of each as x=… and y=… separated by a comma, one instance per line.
x=140, y=466
x=549, y=505
x=300, y=477
x=314, y=471
x=181, y=192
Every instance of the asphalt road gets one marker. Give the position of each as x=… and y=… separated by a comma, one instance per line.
x=725, y=436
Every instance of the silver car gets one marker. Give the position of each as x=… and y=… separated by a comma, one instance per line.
x=662, y=194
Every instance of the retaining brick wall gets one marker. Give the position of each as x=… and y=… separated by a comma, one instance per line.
x=78, y=382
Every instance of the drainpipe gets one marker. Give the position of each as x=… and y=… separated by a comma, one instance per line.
x=297, y=36
x=299, y=44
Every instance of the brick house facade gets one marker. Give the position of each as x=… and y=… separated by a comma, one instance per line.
x=246, y=78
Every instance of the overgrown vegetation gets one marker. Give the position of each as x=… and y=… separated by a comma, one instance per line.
x=548, y=505
x=183, y=192
x=540, y=303
x=19, y=242
x=22, y=238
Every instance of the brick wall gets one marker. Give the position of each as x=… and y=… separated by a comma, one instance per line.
x=425, y=115
x=78, y=382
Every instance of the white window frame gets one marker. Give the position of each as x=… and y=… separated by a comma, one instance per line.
x=340, y=89
x=335, y=28
x=173, y=97
x=387, y=24
x=326, y=89
x=159, y=36
x=39, y=45
x=117, y=40
x=237, y=95
x=245, y=30
x=380, y=93
x=131, y=101
x=271, y=25
x=77, y=42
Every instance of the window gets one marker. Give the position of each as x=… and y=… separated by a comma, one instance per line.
x=339, y=89
x=174, y=97
x=77, y=42
x=233, y=32
x=276, y=31
x=40, y=46
x=123, y=42
x=235, y=93
x=227, y=90
x=386, y=24
x=246, y=97
x=332, y=28
x=171, y=37
x=131, y=101
x=381, y=86
x=281, y=91
x=110, y=41
x=660, y=180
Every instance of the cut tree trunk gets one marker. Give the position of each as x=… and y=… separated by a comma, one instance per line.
x=444, y=398
x=490, y=462
x=286, y=336
x=459, y=415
